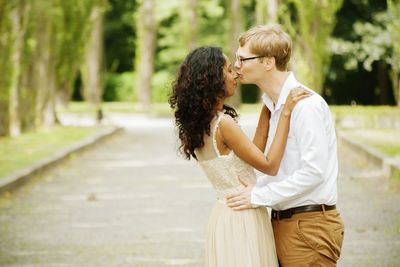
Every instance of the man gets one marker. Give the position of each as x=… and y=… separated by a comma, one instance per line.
x=307, y=227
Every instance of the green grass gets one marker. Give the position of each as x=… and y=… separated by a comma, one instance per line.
x=366, y=111
x=20, y=152
x=161, y=109
x=385, y=140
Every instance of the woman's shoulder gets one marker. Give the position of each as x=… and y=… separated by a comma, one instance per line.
x=228, y=125
x=227, y=120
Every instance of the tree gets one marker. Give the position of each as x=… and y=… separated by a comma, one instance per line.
x=190, y=23
x=74, y=31
x=91, y=69
x=311, y=26
x=234, y=32
x=393, y=27
x=14, y=18
x=146, y=48
x=19, y=23
x=266, y=11
x=372, y=47
x=40, y=43
x=5, y=62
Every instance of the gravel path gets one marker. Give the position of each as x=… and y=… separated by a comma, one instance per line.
x=131, y=201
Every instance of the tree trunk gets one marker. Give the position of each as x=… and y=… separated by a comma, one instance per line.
x=272, y=11
x=146, y=47
x=5, y=66
x=190, y=23
x=44, y=72
x=383, y=82
x=91, y=70
x=18, y=26
x=313, y=27
x=261, y=12
x=398, y=91
x=14, y=120
x=266, y=11
x=235, y=31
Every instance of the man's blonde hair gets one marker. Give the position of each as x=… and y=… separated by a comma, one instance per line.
x=271, y=41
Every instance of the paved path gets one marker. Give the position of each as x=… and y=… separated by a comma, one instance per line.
x=133, y=202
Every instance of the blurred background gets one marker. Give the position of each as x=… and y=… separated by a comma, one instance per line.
x=74, y=72
x=54, y=53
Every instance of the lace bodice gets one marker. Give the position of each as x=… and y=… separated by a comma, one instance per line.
x=223, y=170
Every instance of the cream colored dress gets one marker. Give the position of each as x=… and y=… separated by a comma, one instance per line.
x=234, y=238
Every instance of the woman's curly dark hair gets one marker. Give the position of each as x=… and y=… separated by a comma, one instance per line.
x=195, y=92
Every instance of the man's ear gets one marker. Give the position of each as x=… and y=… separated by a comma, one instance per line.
x=269, y=63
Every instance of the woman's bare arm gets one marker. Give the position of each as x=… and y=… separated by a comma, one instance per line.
x=235, y=138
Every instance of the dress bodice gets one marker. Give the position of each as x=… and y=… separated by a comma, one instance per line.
x=224, y=171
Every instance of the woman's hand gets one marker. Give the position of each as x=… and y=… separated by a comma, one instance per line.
x=294, y=96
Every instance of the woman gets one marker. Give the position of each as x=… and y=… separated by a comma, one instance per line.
x=209, y=133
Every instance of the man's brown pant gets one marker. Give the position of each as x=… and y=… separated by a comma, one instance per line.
x=309, y=239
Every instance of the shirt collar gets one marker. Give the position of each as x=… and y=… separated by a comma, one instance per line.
x=289, y=84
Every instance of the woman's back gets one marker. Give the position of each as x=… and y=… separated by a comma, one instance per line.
x=234, y=238
x=222, y=170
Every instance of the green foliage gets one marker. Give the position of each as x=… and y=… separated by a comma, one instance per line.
x=371, y=38
x=73, y=28
x=312, y=24
x=171, y=48
x=374, y=43
x=119, y=87
x=161, y=84
x=120, y=35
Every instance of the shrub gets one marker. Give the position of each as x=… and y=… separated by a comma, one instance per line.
x=119, y=87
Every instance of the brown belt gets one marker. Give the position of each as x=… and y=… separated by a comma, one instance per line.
x=286, y=214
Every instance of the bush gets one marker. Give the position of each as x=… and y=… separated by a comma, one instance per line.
x=161, y=86
x=123, y=87
x=119, y=87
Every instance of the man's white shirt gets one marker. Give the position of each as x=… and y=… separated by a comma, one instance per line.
x=309, y=167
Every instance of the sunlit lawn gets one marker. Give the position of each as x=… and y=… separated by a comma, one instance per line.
x=20, y=152
x=161, y=109
x=363, y=111
x=385, y=140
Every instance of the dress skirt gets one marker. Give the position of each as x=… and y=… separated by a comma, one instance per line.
x=239, y=238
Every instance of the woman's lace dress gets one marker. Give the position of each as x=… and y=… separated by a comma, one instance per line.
x=234, y=238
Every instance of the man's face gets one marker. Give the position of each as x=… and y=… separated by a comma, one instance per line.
x=248, y=65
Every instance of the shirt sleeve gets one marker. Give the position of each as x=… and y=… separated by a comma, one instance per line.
x=309, y=131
